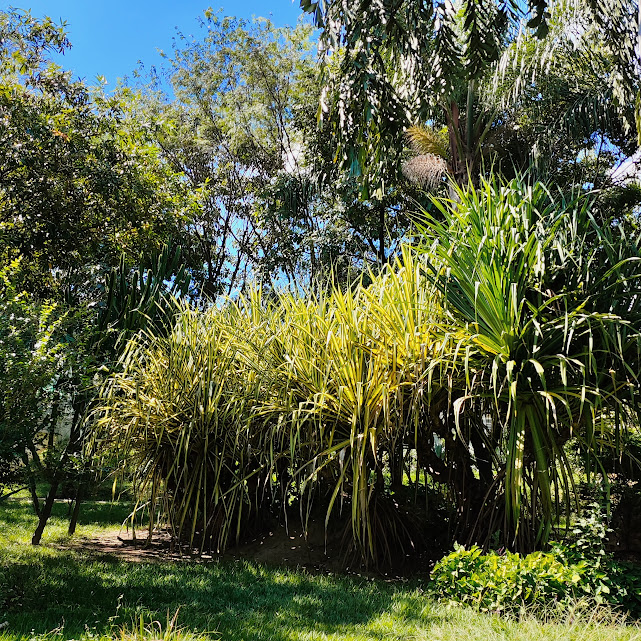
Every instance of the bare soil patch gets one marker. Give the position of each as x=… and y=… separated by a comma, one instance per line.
x=280, y=546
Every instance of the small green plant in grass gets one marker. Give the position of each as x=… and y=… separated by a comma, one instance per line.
x=154, y=631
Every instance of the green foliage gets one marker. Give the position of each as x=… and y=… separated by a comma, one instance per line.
x=602, y=577
x=70, y=182
x=78, y=187
x=139, y=300
x=36, y=353
x=389, y=66
x=26, y=42
x=81, y=191
x=506, y=583
x=576, y=570
x=471, y=364
x=347, y=393
x=513, y=312
x=231, y=132
x=428, y=141
x=569, y=78
x=545, y=350
x=144, y=630
x=316, y=392
x=178, y=402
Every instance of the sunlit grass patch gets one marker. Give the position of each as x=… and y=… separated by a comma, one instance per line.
x=55, y=593
x=580, y=625
x=96, y=517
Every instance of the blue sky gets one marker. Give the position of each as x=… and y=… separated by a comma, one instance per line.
x=109, y=37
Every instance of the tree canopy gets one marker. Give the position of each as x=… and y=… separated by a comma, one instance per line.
x=389, y=65
x=402, y=273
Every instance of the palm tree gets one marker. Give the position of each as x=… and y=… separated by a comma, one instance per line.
x=407, y=62
x=565, y=89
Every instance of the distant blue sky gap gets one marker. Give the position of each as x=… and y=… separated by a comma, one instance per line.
x=109, y=37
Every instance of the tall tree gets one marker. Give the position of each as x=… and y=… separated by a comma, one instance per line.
x=229, y=131
x=570, y=79
x=406, y=62
x=77, y=187
x=76, y=192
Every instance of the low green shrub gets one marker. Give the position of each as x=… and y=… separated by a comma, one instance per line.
x=603, y=578
x=503, y=583
x=578, y=569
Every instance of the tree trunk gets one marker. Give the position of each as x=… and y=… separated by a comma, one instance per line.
x=76, y=508
x=74, y=438
x=396, y=466
x=46, y=510
x=31, y=482
x=55, y=409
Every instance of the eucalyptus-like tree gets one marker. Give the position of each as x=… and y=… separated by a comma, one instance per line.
x=242, y=129
x=230, y=132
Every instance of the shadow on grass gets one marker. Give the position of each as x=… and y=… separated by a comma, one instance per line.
x=239, y=599
x=42, y=589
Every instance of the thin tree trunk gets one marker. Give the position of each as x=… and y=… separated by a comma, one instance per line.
x=35, y=457
x=396, y=467
x=76, y=508
x=58, y=473
x=46, y=510
x=14, y=491
x=31, y=482
x=55, y=408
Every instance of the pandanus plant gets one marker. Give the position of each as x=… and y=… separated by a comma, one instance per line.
x=350, y=367
x=311, y=396
x=475, y=359
x=546, y=302
x=176, y=410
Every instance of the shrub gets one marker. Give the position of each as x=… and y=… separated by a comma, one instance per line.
x=603, y=578
x=577, y=569
x=504, y=583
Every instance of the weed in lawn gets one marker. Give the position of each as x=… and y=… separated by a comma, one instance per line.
x=155, y=631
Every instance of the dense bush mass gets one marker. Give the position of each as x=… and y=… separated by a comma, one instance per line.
x=462, y=370
x=577, y=570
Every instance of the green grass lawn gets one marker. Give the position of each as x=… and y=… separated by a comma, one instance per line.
x=54, y=593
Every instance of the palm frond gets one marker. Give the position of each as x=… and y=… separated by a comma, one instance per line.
x=425, y=140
